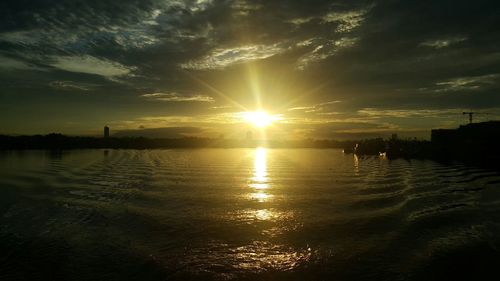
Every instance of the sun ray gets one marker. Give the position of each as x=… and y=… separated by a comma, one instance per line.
x=306, y=94
x=216, y=91
x=255, y=85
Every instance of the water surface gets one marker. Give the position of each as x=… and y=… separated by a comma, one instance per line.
x=244, y=214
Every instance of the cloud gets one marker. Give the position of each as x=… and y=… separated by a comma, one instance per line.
x=302, y=108
x=306, y=43
x=347, y=21
x=10, y=63
x=469, y=83
x=221, y=107
x=86, y=35
x=26, y=37
x=222, y=118
x=451, y=116
x=175, y=97
x=330, y=102
x=324, y=51
x=376, y=113
x=90, y=65
x=315, y=108
x=134, y=37
x=244, y=8
x=300, y=21
x=177, y=121
x=221, y=58
x=71, y=85
x=443, y=43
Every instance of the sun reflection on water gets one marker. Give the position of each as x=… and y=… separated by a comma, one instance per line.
x=259, y=256
x=261, y=196
x=260, y=169
x=260, y=181
x=356, y=164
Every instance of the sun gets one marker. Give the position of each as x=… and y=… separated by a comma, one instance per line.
x=260, y=119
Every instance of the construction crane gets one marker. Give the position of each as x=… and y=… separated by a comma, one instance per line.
x=470, y=113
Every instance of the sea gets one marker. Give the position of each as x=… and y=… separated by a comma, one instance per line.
x=244, y=214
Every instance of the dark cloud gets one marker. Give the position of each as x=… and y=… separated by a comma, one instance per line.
x=136, y=59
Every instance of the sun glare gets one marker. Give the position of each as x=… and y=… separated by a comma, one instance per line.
x=259, y=119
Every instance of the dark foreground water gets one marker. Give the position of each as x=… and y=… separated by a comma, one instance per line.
x=244, y=214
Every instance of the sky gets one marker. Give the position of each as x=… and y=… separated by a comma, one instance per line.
x=321, y=69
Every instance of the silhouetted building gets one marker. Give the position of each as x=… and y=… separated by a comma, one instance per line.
x=443, y=136
x=106, y=132
x=474, y=140
x=483, y=132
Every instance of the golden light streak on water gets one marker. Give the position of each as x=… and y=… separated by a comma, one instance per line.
x=260, y=169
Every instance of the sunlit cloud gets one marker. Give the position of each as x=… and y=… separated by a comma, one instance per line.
x=14, y=64
x=422, y=119
x=221, y=58
x=244, y=8
x=329, y=113
x=421, y=114
x=176, y=97
x=301, y=108
x=324, y=51
x=153, y=16
x=306, y=43
x=134, y=37
x=469, y=83
x=443, y=43
x=347, y=21
x=90, y=65
x=222, y=118
x=128, y=35
x=326, y=119
x=314, y=108
x=219, y=118
x=300, y=21
x=204, y=33
x=71, y=85
x=329, y=102
x=199, y=5
x=371, y=113
x=24, y=37
x=221, y=107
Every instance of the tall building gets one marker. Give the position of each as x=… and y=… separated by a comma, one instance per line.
x=106, y=132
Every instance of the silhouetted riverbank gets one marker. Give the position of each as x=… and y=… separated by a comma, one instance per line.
x=60, y=142
x=476, y=143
